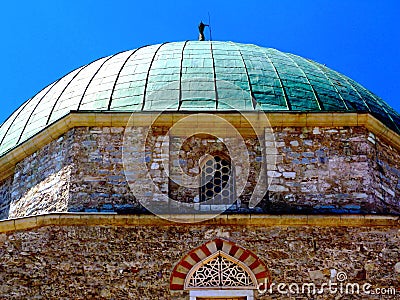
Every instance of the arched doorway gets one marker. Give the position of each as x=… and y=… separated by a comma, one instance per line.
x=220, y=269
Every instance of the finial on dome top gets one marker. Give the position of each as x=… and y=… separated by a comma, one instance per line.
x=201, y=31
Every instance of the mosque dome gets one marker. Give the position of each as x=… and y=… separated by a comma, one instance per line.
x=206, y=201
x=194, y=76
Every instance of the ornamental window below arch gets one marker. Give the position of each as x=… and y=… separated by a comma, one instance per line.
x=220, y=271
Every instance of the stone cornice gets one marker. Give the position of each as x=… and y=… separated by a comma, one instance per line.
x=121, y=119
x=253, y=220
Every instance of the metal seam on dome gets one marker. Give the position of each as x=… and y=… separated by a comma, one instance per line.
x=383, y=105
x=359, y=95
x=383, y=108
x=180, y=78
x=148, y=74
x=12, y=122
x=389, y=115
x=22, y=106
x=288, y=104
x=118, y=75
x=55, y=103
x=215, y=76
x=94, y=75
x=253, y=99
x=319, y=103
x=36, y=106
x=317, y=67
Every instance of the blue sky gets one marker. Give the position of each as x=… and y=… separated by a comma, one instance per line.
x=44, y=40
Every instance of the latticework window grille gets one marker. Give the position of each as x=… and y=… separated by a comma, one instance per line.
x=217, y=184
x=220, y=272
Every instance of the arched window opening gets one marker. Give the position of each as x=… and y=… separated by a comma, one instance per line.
x=217, y=187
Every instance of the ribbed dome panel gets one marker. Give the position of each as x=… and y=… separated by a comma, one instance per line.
x=195, y=76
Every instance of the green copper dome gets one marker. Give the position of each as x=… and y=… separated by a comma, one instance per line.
x=194, y=76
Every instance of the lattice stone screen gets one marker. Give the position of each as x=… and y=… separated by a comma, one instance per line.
x=217, y=183
x=219, y=272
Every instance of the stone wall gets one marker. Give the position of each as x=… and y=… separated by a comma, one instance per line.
x=5, y=197
x=318, y=170
x=386, y=175
x=135, y=262
x=98, y=181
x=41, y=181
x=340, y=170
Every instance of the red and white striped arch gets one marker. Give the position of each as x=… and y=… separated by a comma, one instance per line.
x=201, y=253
